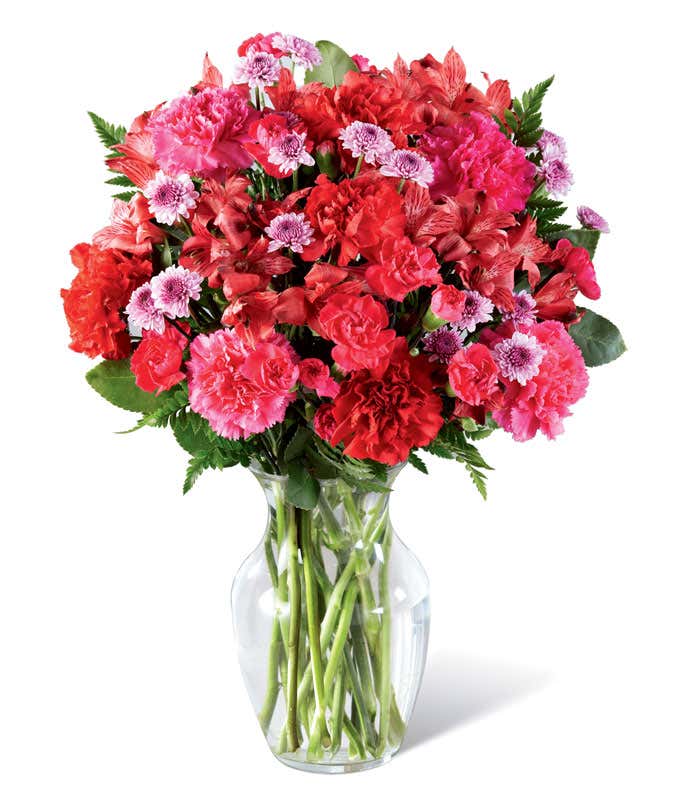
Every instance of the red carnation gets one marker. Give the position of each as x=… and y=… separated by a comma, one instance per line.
x=402, y=267
x=358, y=328
x=448, y=303
x=324, y=421
x=157, y=361
x=383, y=414
x=315, y=375
x=101, y=288
x=356, y=215
x=473, y=374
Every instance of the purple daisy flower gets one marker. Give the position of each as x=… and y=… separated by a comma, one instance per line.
x=170, y=197
x=408, y=165
x=142, y=311
x=524, y=310
x=519, y=358
x=290, y=230
x=173, y=288
x=300, y=51
x=288, y=152
x=477, y=310
x=552, y=146
x=443, y=343
x=558, y=178
x=258, y=69
x=590, y=219
x=367, y=140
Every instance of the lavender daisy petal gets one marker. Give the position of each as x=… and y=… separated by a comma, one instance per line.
x=519, y=358
x=590, y=219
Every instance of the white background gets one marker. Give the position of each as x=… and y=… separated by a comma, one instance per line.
x=553, y=663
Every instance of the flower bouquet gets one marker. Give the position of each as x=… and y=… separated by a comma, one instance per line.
x=318, y=280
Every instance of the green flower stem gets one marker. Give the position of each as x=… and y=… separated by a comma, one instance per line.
x=365, y=723
x=356, y=746
x=330, y=619
x=271, y=561
x=340, y=635
x=385, y=686
x=397, y=725
x=336, y=537
x=293, y=638
x=319, y=730
x=272, y=694
x=338, y=710
x=361, y=655
x=360, y=162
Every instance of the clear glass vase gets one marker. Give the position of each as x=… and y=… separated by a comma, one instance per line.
x=331, y=616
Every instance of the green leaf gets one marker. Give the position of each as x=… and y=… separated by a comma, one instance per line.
x=452, y=444
x=125, y=195
x=116, y=383
x=334, y=66
x=478, y=478
x=599, y=339
x=109, y=134
x=302, y=489
x=121, y=181
x=417, y=462
x=298, y=444
x=195, y=468
x=193, y=433
x=529, y=121
x=583, y=238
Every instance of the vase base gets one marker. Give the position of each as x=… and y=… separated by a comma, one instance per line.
x=335, y=766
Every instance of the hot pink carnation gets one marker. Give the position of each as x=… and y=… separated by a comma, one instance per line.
x=475, y=154
x=544, y=401
x=241, y=386
x=203, y=134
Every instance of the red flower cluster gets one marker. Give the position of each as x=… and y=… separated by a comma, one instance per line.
x=374, y=257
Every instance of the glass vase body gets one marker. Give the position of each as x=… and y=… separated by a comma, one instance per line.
x=331, y=618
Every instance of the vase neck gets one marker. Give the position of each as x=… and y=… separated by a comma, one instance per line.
x=346, y=514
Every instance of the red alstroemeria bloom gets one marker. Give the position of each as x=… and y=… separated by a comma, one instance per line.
x=249, y=270
x=529, y=248
x=355, y=215
x=131, y=229
x=137, y=161
x=157, y=361
x=440, y=90
x=225, y=206
x=384, y=413
x=555, y=300
x=401, y=267
x=358, y=327
x=469, y=222
x=93, y=303
x=576, y=260
x=492, y=276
